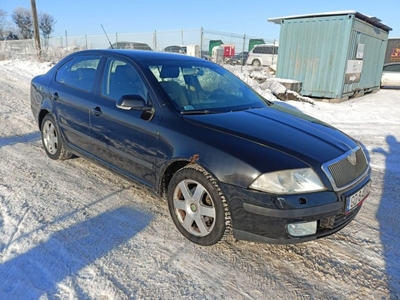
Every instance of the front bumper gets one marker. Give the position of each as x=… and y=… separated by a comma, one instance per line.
x=260, y=217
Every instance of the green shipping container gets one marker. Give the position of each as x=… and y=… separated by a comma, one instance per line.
x=214, y=43
x=253, y=42
x=334, y=55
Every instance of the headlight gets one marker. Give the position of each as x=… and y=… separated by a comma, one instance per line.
x=288, y=182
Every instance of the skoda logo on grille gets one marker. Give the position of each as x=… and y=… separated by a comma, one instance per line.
x=352, y=159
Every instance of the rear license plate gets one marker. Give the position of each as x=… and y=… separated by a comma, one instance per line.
x=353, y=200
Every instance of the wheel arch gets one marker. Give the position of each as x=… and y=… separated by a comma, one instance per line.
x=41, y=116
x=256, y=62
x=171, y=169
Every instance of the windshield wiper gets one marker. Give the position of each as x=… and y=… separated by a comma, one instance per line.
x=197, y=112
x=246, y=108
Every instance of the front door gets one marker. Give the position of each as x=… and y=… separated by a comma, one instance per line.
x=125, y=139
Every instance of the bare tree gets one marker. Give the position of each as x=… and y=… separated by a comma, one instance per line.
x=3, y=23
x=46, y=24
x=22, y=17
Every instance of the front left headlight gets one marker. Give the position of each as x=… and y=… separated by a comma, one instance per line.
x=288, y=182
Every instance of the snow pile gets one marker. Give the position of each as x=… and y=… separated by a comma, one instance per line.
x=263, y=81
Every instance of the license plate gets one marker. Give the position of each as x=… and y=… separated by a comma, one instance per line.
x=355, y=199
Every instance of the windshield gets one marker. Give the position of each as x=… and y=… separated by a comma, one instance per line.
x=203, y=87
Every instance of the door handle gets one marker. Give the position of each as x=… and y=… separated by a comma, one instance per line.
x=55, y=96
x=97, y=111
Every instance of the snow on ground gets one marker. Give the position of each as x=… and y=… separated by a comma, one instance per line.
x=73, y=230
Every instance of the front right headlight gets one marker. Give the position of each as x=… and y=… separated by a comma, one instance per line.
x=289, y=182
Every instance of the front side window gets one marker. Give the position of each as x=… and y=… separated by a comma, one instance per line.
x=193, y=87
x=79, y=72
x=259, y=50
x=120, y=78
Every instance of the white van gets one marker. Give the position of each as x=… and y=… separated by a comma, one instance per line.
x=263, y=55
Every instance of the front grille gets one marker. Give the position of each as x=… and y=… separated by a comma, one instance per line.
x=343, y=173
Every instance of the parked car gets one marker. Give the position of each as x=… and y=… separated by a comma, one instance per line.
x=263, y=55
x=176, y=49
x=205, y=55
x=225, y=159
x=130, y=45
x=391, y=75
x=238, y=59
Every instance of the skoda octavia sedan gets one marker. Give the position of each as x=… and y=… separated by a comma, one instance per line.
x=227, y=161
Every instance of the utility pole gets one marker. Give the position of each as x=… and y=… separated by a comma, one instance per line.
x=36, y=29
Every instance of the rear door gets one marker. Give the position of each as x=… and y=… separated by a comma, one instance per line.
x=72, y=91
x=124, y=139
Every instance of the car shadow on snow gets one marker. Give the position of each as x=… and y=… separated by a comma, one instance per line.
x=38, y=272
x=16, y=139
x=388, y=214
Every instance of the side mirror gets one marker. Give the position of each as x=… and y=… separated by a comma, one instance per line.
x=134, y=102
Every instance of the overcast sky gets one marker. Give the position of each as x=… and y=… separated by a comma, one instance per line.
x=80, y=18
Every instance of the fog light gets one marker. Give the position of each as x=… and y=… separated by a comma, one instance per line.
x=302, y=229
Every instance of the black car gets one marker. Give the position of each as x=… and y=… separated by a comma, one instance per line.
x=227, y=160
x=176, y=49
x=238, y=59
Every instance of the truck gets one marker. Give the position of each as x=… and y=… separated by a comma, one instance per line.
x=218, y=48
x=253, y=42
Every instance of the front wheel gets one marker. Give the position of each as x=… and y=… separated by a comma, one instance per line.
x=198, y=207
x=51, y=139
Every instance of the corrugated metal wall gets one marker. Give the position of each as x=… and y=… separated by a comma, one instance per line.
x=316, y=51
x=375, y=43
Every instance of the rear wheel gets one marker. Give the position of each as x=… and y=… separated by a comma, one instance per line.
x=198, y=207
x=51, y=139
x=256, y=63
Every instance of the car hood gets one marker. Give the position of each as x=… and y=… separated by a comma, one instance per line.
x=282, y=129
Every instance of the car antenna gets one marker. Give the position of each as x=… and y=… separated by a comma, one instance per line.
x=107, y=36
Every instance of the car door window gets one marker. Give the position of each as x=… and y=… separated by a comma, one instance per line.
x=79, y=73
x=392, y=68
x=120, y=78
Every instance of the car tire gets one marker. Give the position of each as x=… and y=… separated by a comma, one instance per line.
x=51, y=139
x=198, y=206
x=256, y=63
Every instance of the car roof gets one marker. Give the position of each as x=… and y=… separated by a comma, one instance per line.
x=180, y=46
x=392, y=63
x=266, y=45
x=133, y=43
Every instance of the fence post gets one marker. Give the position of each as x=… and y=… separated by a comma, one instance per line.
x=155, y=40
x=182, y=37
x=244, y=45
x=66, y=40
x=201, y=41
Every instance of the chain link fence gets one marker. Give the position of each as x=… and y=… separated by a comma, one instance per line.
x=203, y=40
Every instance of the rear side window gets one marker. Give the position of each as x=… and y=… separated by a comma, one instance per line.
x=79, y=73
x=392, y=68
x=266, y=50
